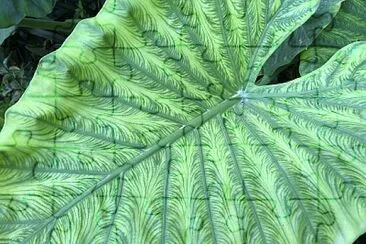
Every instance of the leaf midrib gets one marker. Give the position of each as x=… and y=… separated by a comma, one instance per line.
x=171, y=138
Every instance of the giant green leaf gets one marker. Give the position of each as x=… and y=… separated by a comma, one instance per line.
x=146, y=126
x=348, y=26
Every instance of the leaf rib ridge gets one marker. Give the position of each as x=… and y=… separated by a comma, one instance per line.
x=180, y=65
x=22, y=222
x=138, y=107
x=83, y=133
x=165, y=196
x=249, y=29
x=235, y=69
x=282, y=171
x=180, y=132
x=198, y=44
x=240, y=177
x=152, y=76
x=345, y=105
x=121, y=180
x=308, y=94
x=321, y=124
x=53, y=170
x=261, y=112
x=204, y=182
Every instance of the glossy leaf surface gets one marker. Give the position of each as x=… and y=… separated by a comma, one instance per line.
x=146, y=126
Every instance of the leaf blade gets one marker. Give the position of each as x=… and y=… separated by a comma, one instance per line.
x=136, y=137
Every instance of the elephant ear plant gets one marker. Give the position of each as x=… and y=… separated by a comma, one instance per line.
x=146, y=126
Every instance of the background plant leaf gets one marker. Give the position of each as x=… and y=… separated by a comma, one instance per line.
x=348, y=26
x=5, y=32
x=13, y=11
x=301, y=38
x=141, y=128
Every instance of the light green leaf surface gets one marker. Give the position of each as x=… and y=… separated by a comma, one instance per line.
x=146, y=127
x=300, y=39
x=13, y=11
x=348, y=26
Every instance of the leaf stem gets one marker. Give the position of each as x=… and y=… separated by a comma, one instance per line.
x=66, y=26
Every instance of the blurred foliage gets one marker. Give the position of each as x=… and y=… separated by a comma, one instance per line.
x=13, y=11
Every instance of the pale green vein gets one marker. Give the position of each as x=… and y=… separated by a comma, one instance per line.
x=204, y=183
x=249, y=46
x=199, y=45
x=83, y=133
x=165, y=196
x=177, y=134
x=181, y=65
x=282, y=171
x=320, y=124
x=297, y=196
x=121, y=180
x=137, y=106
x=234, y=62
x=49, y=236
x=154, y=78
x=341, y=104
x=265, y=114
x=242, y=180
x=308, y=94
x=22, y=222
x=36, y=169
